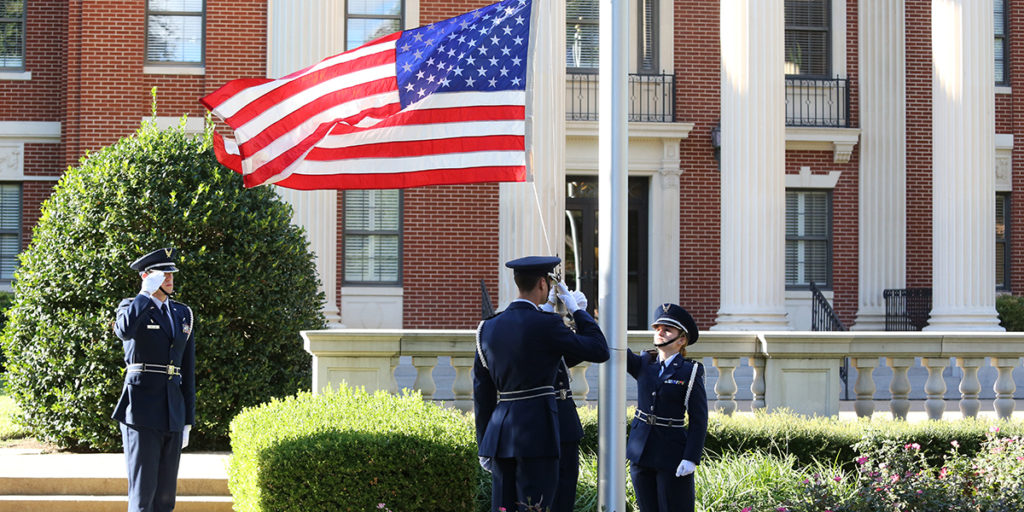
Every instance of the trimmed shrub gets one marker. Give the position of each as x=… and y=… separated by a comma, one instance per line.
x=245, y=271
x=1011, y=312
x=350, y=451
x=6, y=299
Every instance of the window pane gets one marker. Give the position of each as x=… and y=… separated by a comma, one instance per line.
x=361, y=31
x=9, y=247
x=1000, y=74
x=808, y=238
x=371, y=258
x=11, y=34
x=372, y=236
x=10, y=207
x=807, y=13
x=12, y=8
x=378, y=7
x=999, y=20
x=576, y=10
x=1000, y=265
x=176, y=5
x=175, y=39
x=581, y=45
x=807, y=53
x=648, y=39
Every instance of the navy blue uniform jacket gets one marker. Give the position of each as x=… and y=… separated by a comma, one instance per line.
x=523, y=348
x=570, y=428
x=154, y=400
x=662, y=447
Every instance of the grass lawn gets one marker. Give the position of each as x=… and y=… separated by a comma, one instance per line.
x=11, y=434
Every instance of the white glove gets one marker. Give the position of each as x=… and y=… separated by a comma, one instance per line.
x=152, y=282
x=549, y=306
x=567, y=298
x=486, y=463
x=184, y=436
x=581, y=300
x=685, y=468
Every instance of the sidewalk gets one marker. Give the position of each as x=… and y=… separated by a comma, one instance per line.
x=32, y=463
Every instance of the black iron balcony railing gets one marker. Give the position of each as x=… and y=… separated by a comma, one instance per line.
x=823, y=317
x=818, y=102
x=652, y=98
x=907, y=309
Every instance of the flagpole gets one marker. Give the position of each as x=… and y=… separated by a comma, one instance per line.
x=613, y=133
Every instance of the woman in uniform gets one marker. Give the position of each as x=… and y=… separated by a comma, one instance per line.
x=667, y=434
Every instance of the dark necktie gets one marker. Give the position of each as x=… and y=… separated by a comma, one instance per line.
x=664, y=366
x=163, y=309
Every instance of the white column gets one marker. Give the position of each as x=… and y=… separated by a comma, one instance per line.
x=753, y=166
x=963, y=167
x=882, y=209
x=664, y=254
x=531, y=221
x=300, y=33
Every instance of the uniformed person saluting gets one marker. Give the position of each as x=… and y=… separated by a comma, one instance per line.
x=157, y=405
x=518, y=354
x=664, y=448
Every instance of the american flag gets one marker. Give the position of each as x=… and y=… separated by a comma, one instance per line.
x=439, y=104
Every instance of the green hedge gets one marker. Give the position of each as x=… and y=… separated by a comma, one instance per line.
x=246, y=271
x=350, y=451
x=1011, y=312
x=6, y=299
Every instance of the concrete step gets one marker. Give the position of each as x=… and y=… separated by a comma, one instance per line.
x=86, y=503
x=57, y=485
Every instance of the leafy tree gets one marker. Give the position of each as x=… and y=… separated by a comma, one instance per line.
x=246, y=272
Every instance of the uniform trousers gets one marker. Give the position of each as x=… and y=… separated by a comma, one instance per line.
x=523, y=481
x=568, y=476
x=660, y=490
x=152, y=457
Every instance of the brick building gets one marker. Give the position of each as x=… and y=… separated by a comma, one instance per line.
x=890, y=164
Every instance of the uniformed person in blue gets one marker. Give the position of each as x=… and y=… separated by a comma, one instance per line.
x=518, y=354
x=666, y=437
x=157, y=406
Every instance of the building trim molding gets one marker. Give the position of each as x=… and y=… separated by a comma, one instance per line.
x=39, y=132
x=838, y=140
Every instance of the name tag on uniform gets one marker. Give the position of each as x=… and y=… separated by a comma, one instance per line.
x=153, y=326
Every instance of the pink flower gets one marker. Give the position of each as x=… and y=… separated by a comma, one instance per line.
x=862, y=460
x=920, y=491
x=911, y=446
x=745, y=509
x=993, y=428
x=943, y=472
x=781, y=509
x=955, y=444
x=837, y=479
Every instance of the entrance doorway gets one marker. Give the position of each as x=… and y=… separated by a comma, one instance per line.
x=581, y=253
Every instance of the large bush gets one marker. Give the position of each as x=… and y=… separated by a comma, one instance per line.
x=245, y=271
x=1011, y=312
x=350, y=451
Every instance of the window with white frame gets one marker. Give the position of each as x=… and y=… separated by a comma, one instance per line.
x=175, y=32
x=581, y=31
x=808, y=238
x=366, y=20
x=12, y=34
x=1002, y=241
x=1001, y=67
x=10, y=229
x=808, y=38
x=372, y=237
x=647, y=36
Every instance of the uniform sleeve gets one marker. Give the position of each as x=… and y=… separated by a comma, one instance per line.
x=632, y=363
x=485, y=397
x=188, y=374
x=130, y=316
x=586, y=344
x=698, y=415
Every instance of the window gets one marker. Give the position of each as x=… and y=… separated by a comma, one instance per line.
x=1002, y=242
x=12, y=34
x=808, y=238
x=175, y=31
x=10, y=229
x=647, y=60
x=1000, y=47
x=581, y=44
x=373, y=237
x=808, y=38
x=366, y=20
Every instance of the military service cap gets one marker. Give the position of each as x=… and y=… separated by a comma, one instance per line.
x=675, y=316
x=534, y=265
x=160, y=259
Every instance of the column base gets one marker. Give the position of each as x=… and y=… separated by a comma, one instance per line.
x=953, y=320
x=333, y=318
x=869, y=319
x=751, y=322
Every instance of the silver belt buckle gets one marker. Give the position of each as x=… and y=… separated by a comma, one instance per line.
x=651, y=419
x=563, y=393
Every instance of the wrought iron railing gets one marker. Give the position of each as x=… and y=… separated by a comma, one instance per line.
x=823, y=317
x=652, y=98
x=818, y=102
x=907, y=309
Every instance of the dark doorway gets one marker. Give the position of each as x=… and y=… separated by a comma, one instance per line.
x=581, y=254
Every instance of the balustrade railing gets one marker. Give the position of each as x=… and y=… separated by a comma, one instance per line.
x=818, y=102
x=797, y=370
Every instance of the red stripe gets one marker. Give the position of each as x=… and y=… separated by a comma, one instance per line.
x=231, y=161
x=282, y=161
x=401, y=180
x=420, y=148
x=442, y=115
x=301, y=84
x=214, y=99
x=382, y=39
x=289, y=122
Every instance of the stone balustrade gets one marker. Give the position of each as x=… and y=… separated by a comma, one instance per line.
x=797, y=370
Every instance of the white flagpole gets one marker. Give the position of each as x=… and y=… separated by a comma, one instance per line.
x=613, y=135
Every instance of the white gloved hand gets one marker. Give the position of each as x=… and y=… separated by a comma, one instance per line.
x=184, y=436
x=685, y=468
x=567, y=298
x=486, y=463
x=581, y=300
x=549, y=306
x=152, y=282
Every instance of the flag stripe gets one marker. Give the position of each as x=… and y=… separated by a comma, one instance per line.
x=404, y=180
x=231, y=89
x=418, y=147
x=389, y=164
x=400, y=125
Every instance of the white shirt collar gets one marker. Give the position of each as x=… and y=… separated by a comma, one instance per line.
x=526, y=301
x=668, y=361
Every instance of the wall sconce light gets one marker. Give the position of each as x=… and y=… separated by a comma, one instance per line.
x=716, y=136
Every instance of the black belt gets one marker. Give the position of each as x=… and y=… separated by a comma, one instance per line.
x=526, y=394
x=651, y=419
x=166, y=369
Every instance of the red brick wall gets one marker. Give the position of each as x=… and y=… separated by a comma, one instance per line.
x=919, y=143
x=33, y=193
x=38, y=99
x=698, y=86
x=1016, y=110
